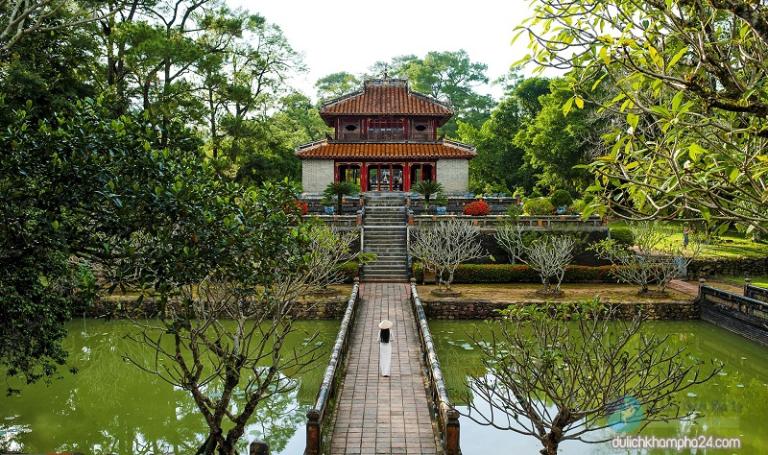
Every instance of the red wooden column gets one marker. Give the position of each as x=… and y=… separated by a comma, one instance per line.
x=407, y=176
x=434, y=171
x=363, y=176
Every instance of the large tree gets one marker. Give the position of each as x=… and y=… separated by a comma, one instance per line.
x=689, y=100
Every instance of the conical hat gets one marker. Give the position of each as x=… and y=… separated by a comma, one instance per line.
x=385, y=324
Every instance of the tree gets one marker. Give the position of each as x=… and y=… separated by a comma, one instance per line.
x=653, y=259
x=80, y=189
x=556, y=141
x=568, y=380
x=225, y=336
x=336, y=84
x=446, y=75
x=500, y=162
x=445, y=245
x=549, y=255
x=337, y=190
x=427, y=188
x=23, y=18
x=689, y=129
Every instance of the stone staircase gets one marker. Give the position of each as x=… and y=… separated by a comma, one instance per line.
x=384, y=234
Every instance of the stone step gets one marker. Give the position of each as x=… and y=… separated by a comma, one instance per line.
x=385, y=274
x=389, y=255
x=394, y=234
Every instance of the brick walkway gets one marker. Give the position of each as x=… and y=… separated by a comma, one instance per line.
x=686, y=288
x=377, y=415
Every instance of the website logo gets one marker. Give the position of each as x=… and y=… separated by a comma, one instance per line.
x=626, y=415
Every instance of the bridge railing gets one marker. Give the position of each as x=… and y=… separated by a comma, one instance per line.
x=316, y=417
x=447, y=415
x=743, y=315
x=755, y=292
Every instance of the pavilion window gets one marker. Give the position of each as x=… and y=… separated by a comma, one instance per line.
x=382, y=129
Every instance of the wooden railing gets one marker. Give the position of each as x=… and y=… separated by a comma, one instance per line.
x=316, y=416
x=743, y=315
x=447, y=415
x=755, y=292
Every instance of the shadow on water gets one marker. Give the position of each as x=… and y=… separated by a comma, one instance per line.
x=111, y=407
x=732, y=405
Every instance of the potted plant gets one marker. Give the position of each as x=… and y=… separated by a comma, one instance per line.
x=337, y=191
x=561, y=199
x=328, y=207
x=427, y=188
x=441, y=204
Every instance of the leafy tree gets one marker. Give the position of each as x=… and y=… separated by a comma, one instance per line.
x=687, y=95
x=336, y=84
x=557, y=140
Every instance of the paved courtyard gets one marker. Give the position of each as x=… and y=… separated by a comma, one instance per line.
x=377, y=415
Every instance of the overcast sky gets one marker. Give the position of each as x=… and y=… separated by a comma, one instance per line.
x=351, y=35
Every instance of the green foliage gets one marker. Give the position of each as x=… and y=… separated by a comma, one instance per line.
x=561, y=198
x=514, y=273
x=622, y=235
x=336, y=84
x=441, y=200
x=428, y=189
x=554, y=142
x=538, y=206
x=687, y=121
x=514, y=211
x=337, y=191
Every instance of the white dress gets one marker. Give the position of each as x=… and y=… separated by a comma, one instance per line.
x=385, y=355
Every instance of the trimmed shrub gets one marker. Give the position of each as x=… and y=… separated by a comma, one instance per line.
x=517, y=273
x=622, y=235
x=538, y=206
x=561, y=198
x=477, y=208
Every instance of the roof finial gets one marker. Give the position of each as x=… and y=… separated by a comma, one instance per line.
x=386, y=71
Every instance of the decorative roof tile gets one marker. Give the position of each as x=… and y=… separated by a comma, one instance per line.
x=385, y=150
x=386, y=97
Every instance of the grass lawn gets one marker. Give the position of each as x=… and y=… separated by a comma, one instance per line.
x=526, y=292
x=731, y=245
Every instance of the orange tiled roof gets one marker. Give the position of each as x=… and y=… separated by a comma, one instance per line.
x=386, y=97
x=385, y=150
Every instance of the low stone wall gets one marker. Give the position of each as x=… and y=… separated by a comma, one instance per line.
x=705, y=268
x=498, y=205
x=350, y=204
x=330, y=307
x=442, y=309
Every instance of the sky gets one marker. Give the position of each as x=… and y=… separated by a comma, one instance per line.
x=350, y=36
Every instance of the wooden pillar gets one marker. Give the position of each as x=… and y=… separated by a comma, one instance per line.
x=407, y=176
x=363, y=176
x=434, y=172
x=452, y=433
x=313, y=433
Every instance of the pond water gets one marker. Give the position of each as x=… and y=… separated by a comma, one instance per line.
x=733, y=404
x=112, y=407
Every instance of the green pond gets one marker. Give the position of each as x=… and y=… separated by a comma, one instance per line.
x=111, y=407
x=733, y=404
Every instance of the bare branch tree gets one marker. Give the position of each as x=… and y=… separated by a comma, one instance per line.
x=442, y=247
x=558, y=381
x=653, y=259
x=219, y=340
x=548, y=255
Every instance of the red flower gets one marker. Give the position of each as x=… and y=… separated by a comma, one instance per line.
x=477, y=208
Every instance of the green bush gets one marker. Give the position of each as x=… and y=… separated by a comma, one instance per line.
x=622, y=235
x=538, y=206
x=577, y=206
x=561, y=198
x=516, y=273
x=514, y=211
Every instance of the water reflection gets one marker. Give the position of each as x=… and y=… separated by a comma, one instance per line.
x=110, y=407
x=732, y=404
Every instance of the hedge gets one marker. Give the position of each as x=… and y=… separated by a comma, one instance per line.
x=516, y=273
x=349, y=271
